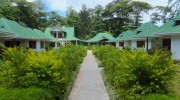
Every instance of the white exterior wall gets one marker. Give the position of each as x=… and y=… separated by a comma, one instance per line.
x=150, y=43
x=117, y=44
x=133, y=44
x=38, y=45
x=127, y=43
x=56, y=46
x=175, y=46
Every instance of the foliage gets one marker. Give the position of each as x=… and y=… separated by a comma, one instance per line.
x=2, y=47
x=51, y=69
x=176, y=81
x=158, y=97
x=26, y=94
x=136, y=73
x=55, y=19
x=164, y=13
x=85, y=22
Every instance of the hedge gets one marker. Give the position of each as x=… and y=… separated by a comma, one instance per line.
x=136, y=73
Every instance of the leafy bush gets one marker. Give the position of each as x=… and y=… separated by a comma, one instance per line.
x=158, y=97
x=136, y=73
x=51, y=69
x=26, y=94
x=2, y=48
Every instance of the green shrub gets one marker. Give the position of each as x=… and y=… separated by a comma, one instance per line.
x=136, y=73
x=158, y=97
x=26, y=94
x=52, y=70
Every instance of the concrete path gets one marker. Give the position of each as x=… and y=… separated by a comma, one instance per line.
x=89, y=84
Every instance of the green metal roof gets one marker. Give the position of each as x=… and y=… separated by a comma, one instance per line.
x=170, y=31
x=47, y=36
x=146, y=27
x=69, y=33
x=162, y=29
x=4, y=29
x=13, y=27
x=127, y=35
x=101, y=36
x=131, y=35
x=19, y=31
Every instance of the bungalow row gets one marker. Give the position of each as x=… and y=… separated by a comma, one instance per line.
x=150, y=36
x=13, y=34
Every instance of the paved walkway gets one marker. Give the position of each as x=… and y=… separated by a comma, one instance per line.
x=89, y=84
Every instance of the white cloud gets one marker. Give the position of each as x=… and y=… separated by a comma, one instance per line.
x=30, y=0
x=155, y=2
x=62, y=5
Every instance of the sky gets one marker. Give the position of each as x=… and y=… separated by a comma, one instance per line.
x=61, y=5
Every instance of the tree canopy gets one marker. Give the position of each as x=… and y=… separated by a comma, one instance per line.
x=116, y=17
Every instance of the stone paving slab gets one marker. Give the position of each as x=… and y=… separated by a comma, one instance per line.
x=89, y=84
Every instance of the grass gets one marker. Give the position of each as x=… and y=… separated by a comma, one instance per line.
x=158, y=97
x=26, y=94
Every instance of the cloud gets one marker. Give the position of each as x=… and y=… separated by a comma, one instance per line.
x=30, y=0
x=155, y=2
x=62, y=5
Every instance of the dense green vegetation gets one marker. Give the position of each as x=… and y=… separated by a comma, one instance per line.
x=116, y=17
x=26, y=94
x=135, y=73
x=52, y=70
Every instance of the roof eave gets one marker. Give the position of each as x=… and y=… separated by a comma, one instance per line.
x=169, y=33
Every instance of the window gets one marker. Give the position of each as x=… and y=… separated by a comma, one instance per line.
x=32, y=44
x=167, y=43
x=12, y=43
x=53, y=34
x=58, y=44
x=73, y=42
x=121, y=44
x=138, y=32
x=140, y=43
x=60, y=35
x=177, y=22
x=52, y=44
x=42, y=44
x=113, y=44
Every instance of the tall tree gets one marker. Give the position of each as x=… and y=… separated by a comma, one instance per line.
x=85, y=23
x=174, y=5
x=54, y=19
x=166, y=12
x=160, y=14
x=139, y=8
x=8, y=10
x=97, y=19
x=117, y=16
x=72, y=17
